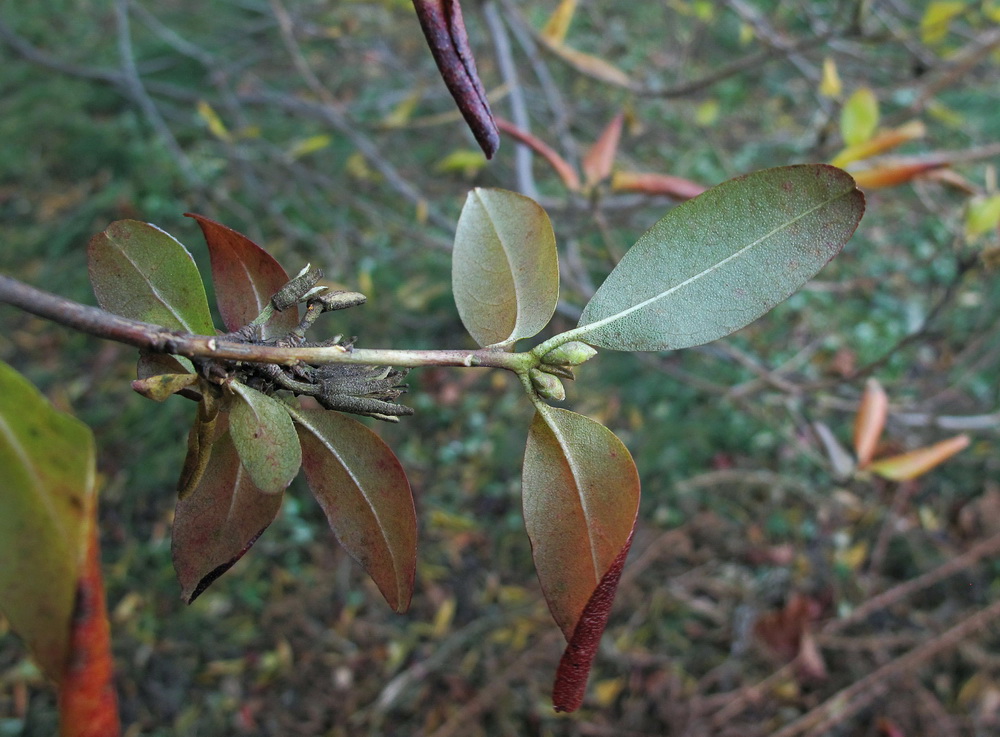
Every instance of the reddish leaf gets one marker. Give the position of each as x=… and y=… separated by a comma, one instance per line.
x=889, y=175
x=562, y=167
x=571, y=677
x=870, y=421
x=652, y=183
x=444, y=29
x=918, y=462
x=245, y=278
x=88, y=704
x=220, y=519
x=600, y=158
x=363, y=491
x=580, y=493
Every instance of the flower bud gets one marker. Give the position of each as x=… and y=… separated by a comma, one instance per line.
x=569, y=354
x=547, y=385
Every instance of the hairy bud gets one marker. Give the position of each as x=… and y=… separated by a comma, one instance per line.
x=569, y=354
x=547, y=385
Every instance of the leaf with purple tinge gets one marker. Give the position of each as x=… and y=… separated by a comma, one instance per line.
x=574, y=667
x=245, y=278
x=366, y=497
x=580, y=492
x=265, y=438
x=220, y=519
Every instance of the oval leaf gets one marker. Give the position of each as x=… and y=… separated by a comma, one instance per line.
x=265, y=439
x=220, y=519
x=245, y=278
x=859, y=117
x=870, y=421
x=918, y=462
x=505, y=271
x=363, y=491
x=140, y=272
x=46, y=509
x=716, y=263
x=580, y=493
x=574, y=667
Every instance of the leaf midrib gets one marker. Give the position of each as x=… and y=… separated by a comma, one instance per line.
x=714, y=267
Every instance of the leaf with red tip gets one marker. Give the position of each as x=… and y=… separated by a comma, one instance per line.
x=88, y=703
x=656, y=184
x=366, y=497
x=574, y=667
x=600, y=157
x=918, y=462
x=220, y=519
x=47, y=500
x=580, y=493
x=245, y=278
x=444, y=29
x=870, y=421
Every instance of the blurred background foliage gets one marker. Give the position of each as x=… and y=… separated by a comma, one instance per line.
x=323, y=131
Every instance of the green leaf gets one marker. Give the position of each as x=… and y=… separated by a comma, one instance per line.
x=859, y=117
x=265, y=439
x=363, y=491
x=47, y=503
x=580, y=493
x=505, y=271
x=220, y=519
x=140, y=272
x=245, y=277
x=716, y=263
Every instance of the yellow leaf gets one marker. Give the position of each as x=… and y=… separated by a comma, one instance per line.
x=592, y=66
x=443, y=617
x=918, y=462
x=357, y=168
x=213, y=121
x=747, y=34
x=853, y=557
x=944, y=114
x=859, y=117
x=401, y=114
x=309, y=145
x=991, y=9
x=982, y=215
x=892, y=175
x=465, y=161
x=558, y=24
x=707, y=113
x=830, y=85
x=606, y=691
x=937, y=18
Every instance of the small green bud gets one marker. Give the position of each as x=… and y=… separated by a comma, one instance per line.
x=569, y=354
x=547, y=385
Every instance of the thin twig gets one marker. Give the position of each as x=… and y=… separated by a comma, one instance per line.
x=158, y=339
x=849, y=701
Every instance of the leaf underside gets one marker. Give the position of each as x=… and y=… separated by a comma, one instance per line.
x=505, y=270
x=140, y=272
x=245, y=278
x=366, y=497
x=580, y=492
x=220, y=519
x=265, y=439
x=716, y=263
x=47, y=507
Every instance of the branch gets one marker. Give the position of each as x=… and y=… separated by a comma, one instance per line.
x=157, y=339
